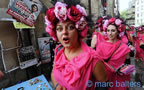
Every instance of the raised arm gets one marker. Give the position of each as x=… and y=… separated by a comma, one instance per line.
x=93, y=42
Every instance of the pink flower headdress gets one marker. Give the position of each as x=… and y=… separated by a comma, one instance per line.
x=100, y=21
x=132, y=27
x=61, y=12
x=118, y=22
x=140, y=28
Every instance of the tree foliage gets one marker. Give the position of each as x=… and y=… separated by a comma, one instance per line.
x=124, y=14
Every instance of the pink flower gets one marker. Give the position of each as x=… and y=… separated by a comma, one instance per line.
x=140, y=28
x=51, y=15
x=121, y=34
x=112, y=20
x=118, y=22
x=80, y=25
x=105, y=25
x=84, y=32
x=99, y=24
x=105, y=33
x=99, y=20
x=51, y=32
x=61, y=11
x=121, y=28
x=47, y=22
x=81, y=9
x=49, y=29
x=74, y=14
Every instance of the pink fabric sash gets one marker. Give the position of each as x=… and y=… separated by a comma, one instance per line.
x=105, y=50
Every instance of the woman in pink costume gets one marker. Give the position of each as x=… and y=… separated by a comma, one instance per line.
x=76, y=63
x=140, y=43
x=115, y=30
x=130, y=29
x=99, y=36
x=139, y=40
x=129, y=33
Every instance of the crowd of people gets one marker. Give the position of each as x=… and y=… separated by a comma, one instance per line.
x=76, y=64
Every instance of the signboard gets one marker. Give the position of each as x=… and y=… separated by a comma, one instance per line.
x=37, y=83
x=19, y=25
x=44, y=47
x=26, y=11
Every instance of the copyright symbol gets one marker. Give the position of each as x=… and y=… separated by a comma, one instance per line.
x=89, y=83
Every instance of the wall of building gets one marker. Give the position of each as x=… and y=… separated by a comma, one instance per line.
x=139, y=12
x=131, y=13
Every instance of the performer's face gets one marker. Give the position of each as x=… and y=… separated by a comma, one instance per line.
x=112, y=32
x=67, y=34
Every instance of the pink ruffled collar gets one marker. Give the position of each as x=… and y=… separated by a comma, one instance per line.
x=71, y=70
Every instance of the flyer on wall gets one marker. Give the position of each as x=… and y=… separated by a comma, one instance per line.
x=25, y=11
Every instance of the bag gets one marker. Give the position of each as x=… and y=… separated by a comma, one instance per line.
x=126, y=69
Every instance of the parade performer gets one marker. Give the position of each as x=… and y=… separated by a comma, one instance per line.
x=114, y=52
x=99, y=36
x=139, y=60
x=140, y=43
x=75, y=63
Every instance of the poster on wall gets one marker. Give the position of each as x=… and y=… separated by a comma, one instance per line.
x=25, y=11
x=27, y=57
x=44, y=47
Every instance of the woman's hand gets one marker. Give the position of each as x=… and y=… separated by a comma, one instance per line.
x=141, y=42
x=93, y=41
x=59, y=87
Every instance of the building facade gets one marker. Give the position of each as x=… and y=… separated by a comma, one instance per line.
x=139, y=12
x=131, y=13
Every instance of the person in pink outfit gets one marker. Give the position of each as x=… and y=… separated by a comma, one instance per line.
x=139, y=40
x=115, y=53
x=140, y=43
x=130, y=33
x=75, y=65
x=127, y=39
x=139, y=60
x=99, y=36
